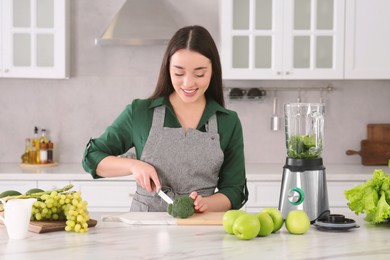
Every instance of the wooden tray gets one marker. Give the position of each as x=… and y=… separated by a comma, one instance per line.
x=378, y=132
x=51, y=226
x=37, y=166
x=373, y=153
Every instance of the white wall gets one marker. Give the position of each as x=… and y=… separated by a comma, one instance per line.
x=105, y=79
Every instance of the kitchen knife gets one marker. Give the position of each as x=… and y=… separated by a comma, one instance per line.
x=165, y=197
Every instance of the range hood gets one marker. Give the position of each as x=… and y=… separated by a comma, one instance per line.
x=140, y=22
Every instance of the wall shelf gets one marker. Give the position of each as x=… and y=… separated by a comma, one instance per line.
x=258, y=94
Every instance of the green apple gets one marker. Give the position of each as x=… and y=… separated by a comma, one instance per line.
x=297, y=222
x=229, y=217
x=276, y=216
x=266, y=224
x=246, y=226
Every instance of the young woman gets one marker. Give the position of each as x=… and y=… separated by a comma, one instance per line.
x=187, y=143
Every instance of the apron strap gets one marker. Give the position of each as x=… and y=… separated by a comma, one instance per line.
x=212, y=125
x=158, y=117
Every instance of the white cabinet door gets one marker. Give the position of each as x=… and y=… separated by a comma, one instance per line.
x=367, y=39
x=264, y=194
x=282, y=39
x=251, y=39
x=34, y=39
x=313, y=45
x=106, y=196
x=21, y=186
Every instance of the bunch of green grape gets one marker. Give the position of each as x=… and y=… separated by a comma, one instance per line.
x=67, y=206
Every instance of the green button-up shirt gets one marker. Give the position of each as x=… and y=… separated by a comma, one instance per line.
x=131, y=129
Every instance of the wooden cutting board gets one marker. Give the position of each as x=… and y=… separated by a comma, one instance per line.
x=207, y=218
x=373, y=153
x=51, y=226
x=163, y=218
x=378, y=132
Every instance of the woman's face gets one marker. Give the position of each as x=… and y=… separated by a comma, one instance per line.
x=190, y=74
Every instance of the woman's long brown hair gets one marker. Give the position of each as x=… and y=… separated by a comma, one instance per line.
x=195, y=38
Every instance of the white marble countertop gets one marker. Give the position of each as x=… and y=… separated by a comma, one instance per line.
x=255, y=172
x=115, y=240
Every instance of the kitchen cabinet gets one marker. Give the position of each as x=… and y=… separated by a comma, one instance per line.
x=282, y=39
x=367, y=39
x=21, y=186
x=108, y=196
x=116, y=194
x=336, y=192
x=34, y=39
x=262, y=194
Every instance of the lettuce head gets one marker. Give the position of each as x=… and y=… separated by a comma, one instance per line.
x=371, y=198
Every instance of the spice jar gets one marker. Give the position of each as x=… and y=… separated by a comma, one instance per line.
x=50, y=146
x=43, y=152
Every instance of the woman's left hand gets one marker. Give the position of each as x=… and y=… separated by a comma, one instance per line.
x=199, y=202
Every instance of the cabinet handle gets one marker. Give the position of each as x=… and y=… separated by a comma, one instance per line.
x=6, y=70
x=278, y=73
x=287, y=73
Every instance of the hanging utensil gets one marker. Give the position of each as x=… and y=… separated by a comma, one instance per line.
x=299, y=99
x=322, y=99
x=275, y=120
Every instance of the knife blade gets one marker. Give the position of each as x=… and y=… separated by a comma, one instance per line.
x=164, y=196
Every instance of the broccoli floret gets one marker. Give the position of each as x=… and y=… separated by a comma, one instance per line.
x=182, y=207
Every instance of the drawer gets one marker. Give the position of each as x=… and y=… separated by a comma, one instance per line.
x=21, y=186
x=264, y=194
x=114, y=196
x=336, y=192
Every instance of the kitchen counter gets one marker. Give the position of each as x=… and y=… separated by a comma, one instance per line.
x=115, y=240
x=255, y=172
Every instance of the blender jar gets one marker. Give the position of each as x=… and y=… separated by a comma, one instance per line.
x=304, y=126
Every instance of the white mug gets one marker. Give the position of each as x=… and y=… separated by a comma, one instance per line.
x=17, y=214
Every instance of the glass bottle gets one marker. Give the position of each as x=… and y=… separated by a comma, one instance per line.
x=35, y=144
x=43, y=138
x=32, y=154
x=26, y=156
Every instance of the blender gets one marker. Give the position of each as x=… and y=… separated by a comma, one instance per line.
x=304, y=181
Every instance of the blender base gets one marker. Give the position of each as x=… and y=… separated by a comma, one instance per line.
x=304, y=188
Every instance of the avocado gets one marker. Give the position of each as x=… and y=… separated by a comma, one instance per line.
x=34, y=190
x=6, y=194
x=9, y=193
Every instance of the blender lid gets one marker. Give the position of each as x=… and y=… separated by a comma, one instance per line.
x=335, y=222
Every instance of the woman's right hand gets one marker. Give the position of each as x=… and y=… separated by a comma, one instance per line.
x=145, y=175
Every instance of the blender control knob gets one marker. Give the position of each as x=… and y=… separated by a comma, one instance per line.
x=295, y=196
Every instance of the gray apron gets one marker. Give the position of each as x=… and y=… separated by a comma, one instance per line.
x=184, y=161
